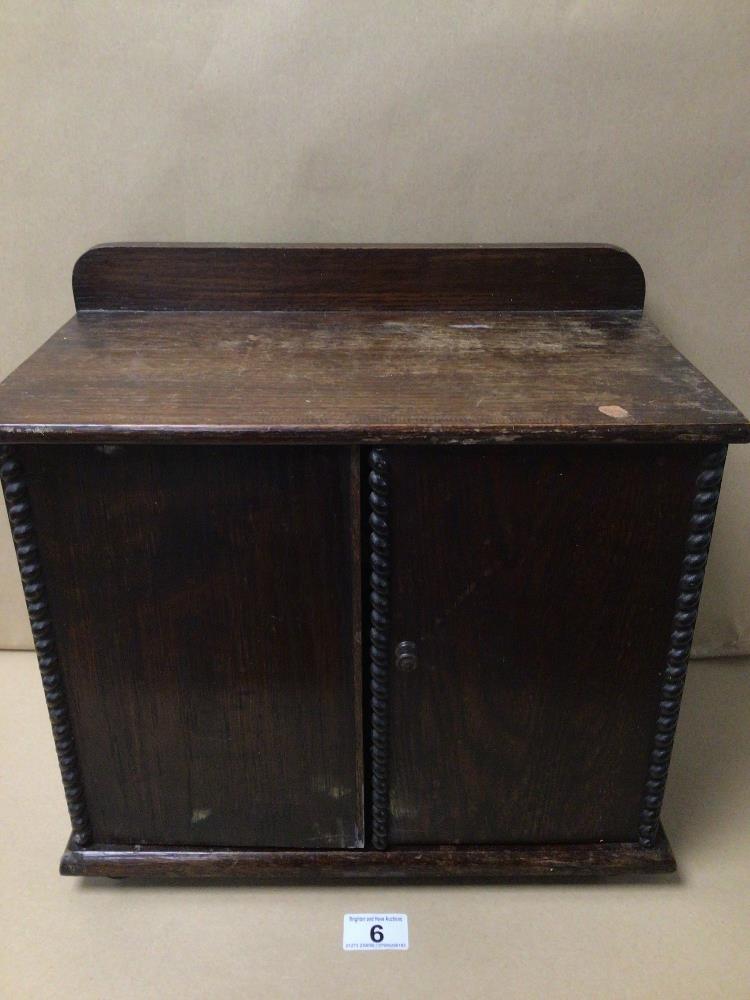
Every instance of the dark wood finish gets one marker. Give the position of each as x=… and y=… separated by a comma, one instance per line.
x=356, y=663
x=555, y=861
x=205, y=619
x=537, y=585
x=20, y=516
x=700, y=528
x=362, y=377
x=197, y=610
x=153, y=276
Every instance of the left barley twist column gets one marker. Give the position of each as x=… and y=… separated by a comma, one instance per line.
x=380, y=626
x=27, y=553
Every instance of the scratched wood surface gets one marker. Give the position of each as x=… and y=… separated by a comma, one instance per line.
x=363, y=376
x=528, y=861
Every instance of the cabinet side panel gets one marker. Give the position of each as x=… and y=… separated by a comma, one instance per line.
x=203, y=606
x=537, y=587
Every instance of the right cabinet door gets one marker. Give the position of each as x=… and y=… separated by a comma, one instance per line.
x=537, y=585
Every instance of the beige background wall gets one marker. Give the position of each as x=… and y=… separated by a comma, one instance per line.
x=402, y=120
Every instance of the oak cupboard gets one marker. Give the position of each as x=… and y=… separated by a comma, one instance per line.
x=355, y=562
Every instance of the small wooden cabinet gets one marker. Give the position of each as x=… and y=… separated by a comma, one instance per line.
x=362, y=561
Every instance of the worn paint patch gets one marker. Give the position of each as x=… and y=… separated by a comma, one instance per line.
x=338, y=792
x=199, y=815
x=618, y=412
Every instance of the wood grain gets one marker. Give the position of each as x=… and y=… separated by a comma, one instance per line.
x=207, y=633
x=152, y=276
x=537, y=585
x=362, y=377
x=555, y=861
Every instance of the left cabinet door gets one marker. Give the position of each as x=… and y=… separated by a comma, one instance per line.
x=205, y=606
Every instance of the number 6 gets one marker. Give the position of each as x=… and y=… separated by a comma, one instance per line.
x=376, y=933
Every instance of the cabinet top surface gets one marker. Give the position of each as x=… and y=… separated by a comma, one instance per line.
x=352, y=376
x=374, y=344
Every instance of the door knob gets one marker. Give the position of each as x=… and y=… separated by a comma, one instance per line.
x=406, y=656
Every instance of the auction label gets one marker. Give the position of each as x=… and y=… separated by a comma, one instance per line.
x=376, y=932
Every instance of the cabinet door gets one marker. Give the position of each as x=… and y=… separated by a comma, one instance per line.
x=537, y=585
x=205, y=602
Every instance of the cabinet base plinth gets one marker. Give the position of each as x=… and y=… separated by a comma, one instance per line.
x=561, y=861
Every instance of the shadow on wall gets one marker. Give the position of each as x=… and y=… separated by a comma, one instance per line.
x=708, y=792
